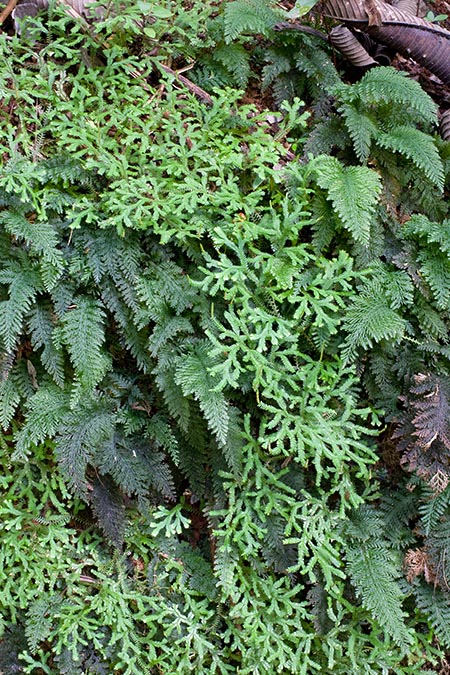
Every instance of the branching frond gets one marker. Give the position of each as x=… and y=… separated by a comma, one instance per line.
x=353, y=191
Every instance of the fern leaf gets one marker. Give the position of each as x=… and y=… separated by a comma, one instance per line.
x=163, y=286
x=433, y=508
x=9, y=400
x=66, y=170
x=371, y=319
x=192, y=464
x=248, y=16
x=135, y=340
x=431, y=321
x=365, y=523
x=326, y=223
x=41, y=325
x=193, y=375
x=362, y=130
x=353, y=191
x=40, y=618
x=235, y=59
x=325, y=136
x=316, y=63
x=84, y=335
x=67, y=665
x=317, y=598
x=167, y=328
x=399, y=289
x=177, y=403
x=83, y=432
x=387, y=85
x=435, y=604
x=134, y=465
x=62, y=297
x=398, y=510
x=420, y=148
x=159, y=431
x=40, y=236
x=108, y=508
x=438, y=551
x=46, y=409
x=277, y=64
x=23, y=285
x=435, y=267
x=375, y=573
x=232, y=448
x=433, y=233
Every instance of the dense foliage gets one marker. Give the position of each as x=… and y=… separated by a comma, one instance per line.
x=224, y=351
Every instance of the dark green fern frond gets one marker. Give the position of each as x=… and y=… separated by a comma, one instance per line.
x=437, y=546
x=326, y=135
x=194, y=377
x=41, y=237
x=362, y=130
x=277, y=64
x=317, y=598
x=248, y=16
x=41, y=324
x=285, y=87
x=433, y=322
x=398, y=510
x=434, y=505
x=326, y=223
x=46, y=409
x=418, y=147
x=164, y=285
x=66, y=170
x=84, y=335
x=316, y=63
x=159, y=430
x=22, y=285
x=375, y=570
x=235, y=60
x=9, y=400
x=167, y=329
x=385, y=85
x=193, y=459
x=435, y=604
x=108, y=508
x=40, y=618
x=399, y=286
x=67, y=664
x=277, y=553
x=134, y=464
x=353, y=192
x=83, y=433
x=434, y=233
x=365, y=524
x=174, y=398
x=371, y=319
x=135, y=340
x=435, y=267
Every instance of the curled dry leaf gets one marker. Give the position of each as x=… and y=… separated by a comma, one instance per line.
x=416, y=563
x=343, y=39
x=411, y=36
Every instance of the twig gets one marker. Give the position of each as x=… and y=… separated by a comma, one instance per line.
x=295, y=25
x=7, y=11
x=201, y=93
